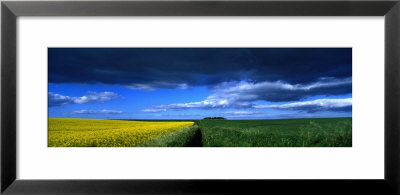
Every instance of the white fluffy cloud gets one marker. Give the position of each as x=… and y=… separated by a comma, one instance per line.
x=153, y=110
x=97, y=112
x=314, y=105
x=90, y=97
x=241, y=112
x=279, y=91
x=243, y=94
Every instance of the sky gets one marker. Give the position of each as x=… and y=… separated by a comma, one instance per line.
x=193, y=83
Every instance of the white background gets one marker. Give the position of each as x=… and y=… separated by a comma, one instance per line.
x=364, y=160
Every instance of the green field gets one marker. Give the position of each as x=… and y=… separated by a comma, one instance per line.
x=315, y=132
x=321, y=132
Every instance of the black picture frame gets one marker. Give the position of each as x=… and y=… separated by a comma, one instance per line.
x=10, y=10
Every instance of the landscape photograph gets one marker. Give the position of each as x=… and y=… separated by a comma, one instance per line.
x=199, y=97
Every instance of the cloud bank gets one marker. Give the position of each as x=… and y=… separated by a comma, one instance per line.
x=90, y=97
x=240, y=112
x=97, y=112
x=337, y=105
x=239, y=95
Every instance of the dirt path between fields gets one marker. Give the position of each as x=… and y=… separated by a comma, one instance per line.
x=197, y=140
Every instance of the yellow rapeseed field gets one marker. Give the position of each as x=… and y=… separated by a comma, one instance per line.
x=67, y=132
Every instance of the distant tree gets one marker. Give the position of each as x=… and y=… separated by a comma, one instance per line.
x=214, y=118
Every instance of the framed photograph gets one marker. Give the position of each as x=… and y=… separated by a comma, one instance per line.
x=199, y=97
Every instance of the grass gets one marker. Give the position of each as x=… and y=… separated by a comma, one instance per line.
x=328, y=132
x=180, y=138
x=66, y=132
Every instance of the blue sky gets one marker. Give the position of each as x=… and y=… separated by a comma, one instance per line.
x=192, y=83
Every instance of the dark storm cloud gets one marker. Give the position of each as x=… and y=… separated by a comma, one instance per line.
x=153, y=68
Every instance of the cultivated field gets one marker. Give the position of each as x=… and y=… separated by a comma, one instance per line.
x=316, y=132
x=64, y=132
